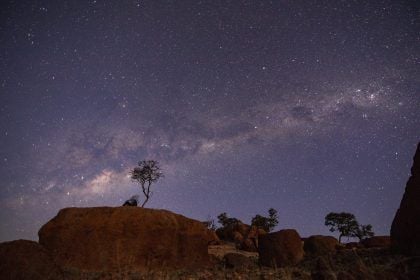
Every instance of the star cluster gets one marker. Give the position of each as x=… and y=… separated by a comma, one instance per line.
x=308, y=107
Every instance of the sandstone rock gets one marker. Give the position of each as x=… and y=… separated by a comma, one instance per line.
x=250, y=242
x=130, y=238
x=281, y=248
x=24, y=259
x=377, y=241
x=228, y=233
x=235, y=260
x=244, y=236
x=237, y=237
x=212, y=238
x=318, y=245
x=405, y=229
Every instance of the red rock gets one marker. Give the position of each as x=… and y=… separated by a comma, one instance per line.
x=244, y=236
x=405, y=229
x=318, y=245
x=377, y=241
x=281, y=248
x=24, y=259
x=249, y=245
x=212, y=238
x=131, y=238
x=250, y=242
x=230, y=232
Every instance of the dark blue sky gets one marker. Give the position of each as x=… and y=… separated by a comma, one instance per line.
x=305, y=106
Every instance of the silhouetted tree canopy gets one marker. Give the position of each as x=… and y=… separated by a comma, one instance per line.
x=347, y=225
x=225, y=221
x=146, y=173
x=363, y=231
x=209, y=223
x=343, y=222
x=266, y=223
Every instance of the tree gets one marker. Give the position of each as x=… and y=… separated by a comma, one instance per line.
x=225, y=221
x=146, y=173
x=363, y=231
x=266, y=223
x=209, y=223
x=343, y=222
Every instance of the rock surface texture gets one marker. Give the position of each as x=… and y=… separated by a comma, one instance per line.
x=24, y=259
x=405, y=229
x=244, y=236
x=281, y=248
x=124, y=238
x=318, y=245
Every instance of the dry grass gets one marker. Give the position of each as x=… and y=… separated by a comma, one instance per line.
x=377, y=262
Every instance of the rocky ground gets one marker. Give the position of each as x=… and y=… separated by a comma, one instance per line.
x=230, y=263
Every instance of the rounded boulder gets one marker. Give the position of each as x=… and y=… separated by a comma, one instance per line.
x=281, y=248
x=24, y=259
x=318, y=245
x=115, y=238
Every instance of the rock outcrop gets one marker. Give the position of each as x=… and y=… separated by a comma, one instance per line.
x=281, y=248
x=318, y=245
x=405, y=229
x=130, y=238
x=244, y=236
x=377, y=242
x=233, y=232
x=24, y=259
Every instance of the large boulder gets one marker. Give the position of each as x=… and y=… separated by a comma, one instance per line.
x=24, y=259
x=377, y=241
x=130, y=238
x=405, y=229
x=318, y=245
x=281, y=248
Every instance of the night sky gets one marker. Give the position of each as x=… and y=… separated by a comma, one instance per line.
x=304, y=106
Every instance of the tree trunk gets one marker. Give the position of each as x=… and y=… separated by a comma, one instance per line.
x=146, y=193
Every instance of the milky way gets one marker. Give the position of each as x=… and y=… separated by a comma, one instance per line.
x=305, y=106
